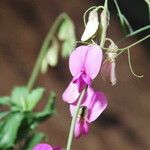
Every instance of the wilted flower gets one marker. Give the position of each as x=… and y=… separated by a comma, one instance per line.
x=108, y=69
x=44, y=146
x=105, y=17
x=93, y=105
x=84, y=64
x=91, y=26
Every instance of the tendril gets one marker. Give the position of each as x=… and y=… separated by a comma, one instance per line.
x=130, y=65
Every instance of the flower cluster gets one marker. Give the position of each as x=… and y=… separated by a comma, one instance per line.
x=84, y=64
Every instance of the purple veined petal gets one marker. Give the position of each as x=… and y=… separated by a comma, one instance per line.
x=71, y=93
x=98, y=105
x=80, y=82
x=85, y=127
x=72, y=109
x=86, y=79
x=42, y=146
x=76, y=77
x=93, y=61
x=86, y=102
x=108, y=71
x=78, y=128
x=77, y=59
x=87, y=99
x=81, y=128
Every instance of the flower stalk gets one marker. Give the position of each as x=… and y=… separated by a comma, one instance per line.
x=104, y=28
x=70, y=137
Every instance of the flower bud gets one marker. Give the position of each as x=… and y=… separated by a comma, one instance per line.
x=91, y=26
x=105, y=17
x=108, y=69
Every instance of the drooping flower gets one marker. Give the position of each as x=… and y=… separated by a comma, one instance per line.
x=84, y=64
x=108, y=69
x=91, y=26
x=89, y=111
x=44, y=146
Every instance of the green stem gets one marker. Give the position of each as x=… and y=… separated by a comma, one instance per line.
x=104, y=29
x=121, y=50
x=130, y=66
x=70, y=137
x=119, y=12
x=43, y=51
x=134, y=33
x=137, y=42
x=139, y=31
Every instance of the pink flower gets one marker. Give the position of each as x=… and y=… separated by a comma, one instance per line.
x=44, y=146
x=93, y=105
x=84, y=64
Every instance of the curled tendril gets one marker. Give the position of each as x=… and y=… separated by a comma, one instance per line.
x=110, y=40
x=130, y=65
x=93, y=7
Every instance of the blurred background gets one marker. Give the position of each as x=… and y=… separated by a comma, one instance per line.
x=125, y=124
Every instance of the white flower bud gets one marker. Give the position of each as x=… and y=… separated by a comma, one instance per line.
x=91, y=27
x=105, y=17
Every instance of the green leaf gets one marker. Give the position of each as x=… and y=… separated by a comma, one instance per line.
x=33, y=140
x=25, y=101
x=9, y=130
x=66, y=33
x=33, y=98
x=18, y=98
x=48, y=110
x=5, y=100
x=3, y=114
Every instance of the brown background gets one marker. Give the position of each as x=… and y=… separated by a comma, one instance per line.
x=125, y=124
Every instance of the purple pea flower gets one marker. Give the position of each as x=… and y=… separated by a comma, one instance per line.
x=84, y=65
x=93, y=105
x=44, y=146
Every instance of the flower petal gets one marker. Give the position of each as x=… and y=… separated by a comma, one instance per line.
x=42, y=146
x=72, y=109
x=93, y=61
x=87, y=99
x=91, y=26
x=81, y=127
x=99, y=103
x=71, y=93
x=85, y=127
x=77, y=59
x=78, y=128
